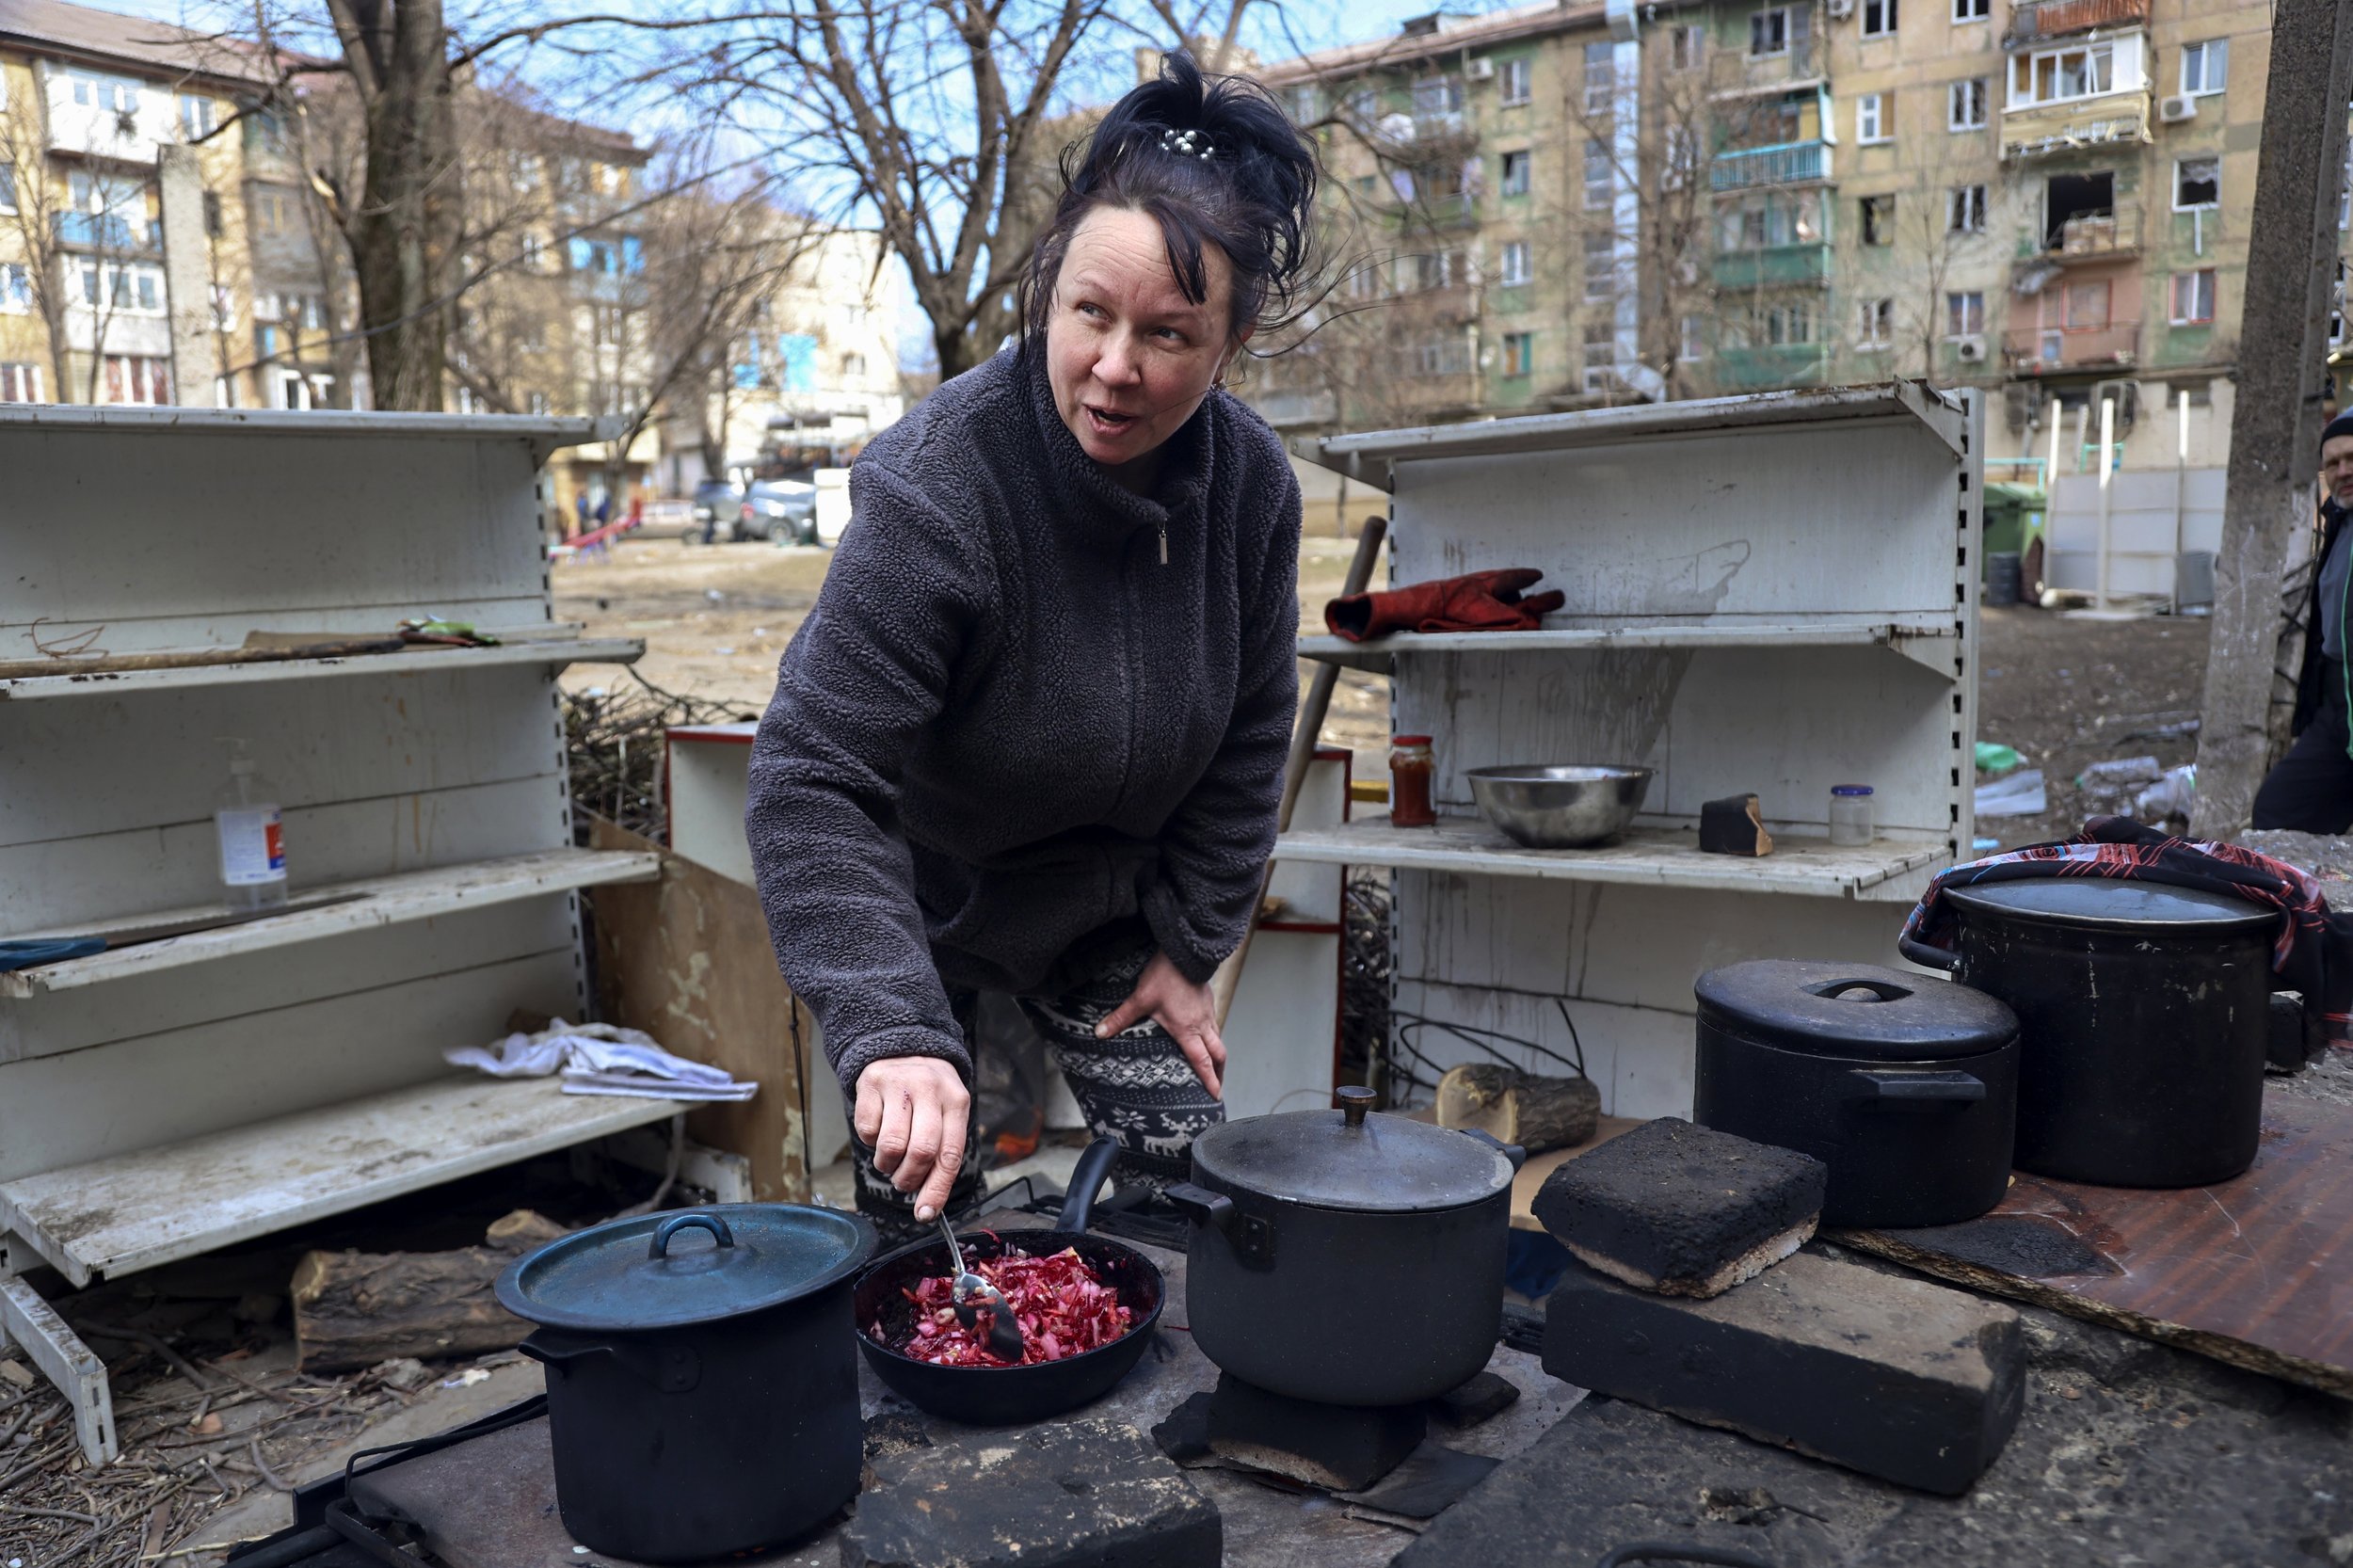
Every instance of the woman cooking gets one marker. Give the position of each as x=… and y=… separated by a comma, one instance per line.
x=1031, y=737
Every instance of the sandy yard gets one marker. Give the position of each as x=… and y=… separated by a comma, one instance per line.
x=2065, y=692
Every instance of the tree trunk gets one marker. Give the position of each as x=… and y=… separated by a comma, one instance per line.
x=2275, y=427
x=1537, y=1114
x=354, y=1309
x=404, y=237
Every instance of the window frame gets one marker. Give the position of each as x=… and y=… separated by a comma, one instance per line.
x=1509, y=276
x=1597, y=154
x=1601, y=281
x=1876, y=325
x=1879, y=18
x=2183, y=163
x=1967, y=204
x=1759, y=31
x=1877, y=130
x=1598, y=90
x=1519, y=355
x=2203, y=49
x=2094, y=52
x=8, y=187
x=1969, y=304
x=16, y=298
x=1515, y=171
x=1872, y=235
x=2173, y=296
x=1964, y=95
x=1519, y=71
x=1966, y=12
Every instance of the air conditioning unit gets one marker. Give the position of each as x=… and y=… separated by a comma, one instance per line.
x=1969, y=350
x=1483, y=70
x=2177, y=108
x=1840, y=10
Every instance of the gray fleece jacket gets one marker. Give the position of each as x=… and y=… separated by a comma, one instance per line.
x=1009, y=743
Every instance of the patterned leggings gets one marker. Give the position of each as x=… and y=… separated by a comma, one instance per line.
x=1136, y=1088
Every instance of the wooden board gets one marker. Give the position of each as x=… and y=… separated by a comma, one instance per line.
x=382, y=901
x=686, y=959
x=2256, y=1271
x=1531, y=1175
x=138, y=1211
x=1644, y=856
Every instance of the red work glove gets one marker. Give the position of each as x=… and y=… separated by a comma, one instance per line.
x=1480, y=601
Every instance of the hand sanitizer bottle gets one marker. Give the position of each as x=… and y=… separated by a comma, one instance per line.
x=252, y=846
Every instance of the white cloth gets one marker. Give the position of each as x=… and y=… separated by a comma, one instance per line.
x=601, y=1059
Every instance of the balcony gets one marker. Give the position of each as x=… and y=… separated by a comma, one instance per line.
x=2057, y=351
x=108, y=231
x=1775, y=265
x=1460, y=211
x=2098, y=236
x=1738, y=75
x=1786, y=164
x=2079, y=126
x=1792, y=365
x=2031, y=21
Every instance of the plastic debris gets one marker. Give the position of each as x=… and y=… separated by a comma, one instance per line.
x=1995, y=758
x=2169, y=796
x=1984, y=846
x=2021, y=795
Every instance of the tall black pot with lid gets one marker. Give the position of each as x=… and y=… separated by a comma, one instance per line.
x=702, y=1375
x=1905, y=1086
x=2144, y=1011
x=1347, y=1257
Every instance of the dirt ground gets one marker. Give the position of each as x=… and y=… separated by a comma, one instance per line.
x=2065, y=691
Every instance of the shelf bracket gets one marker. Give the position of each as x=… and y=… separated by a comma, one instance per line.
x=1939, y=654
x=1931, y=412
x=29, y=1320
x=1380, y=474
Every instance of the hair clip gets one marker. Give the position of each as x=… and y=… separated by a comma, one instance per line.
x=1186, y=144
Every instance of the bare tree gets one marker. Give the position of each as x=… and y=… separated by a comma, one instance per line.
x=34, y=219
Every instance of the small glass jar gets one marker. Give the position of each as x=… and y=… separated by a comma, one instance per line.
x=1411, y=770
x=1850, y=814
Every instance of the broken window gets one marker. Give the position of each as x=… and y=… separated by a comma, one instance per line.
x=1965, y=210
x=2079, y=199
x=2193, y=299
x=2196, y=183
x=1877, y=324
x=1879, y=220
x=1768, y=32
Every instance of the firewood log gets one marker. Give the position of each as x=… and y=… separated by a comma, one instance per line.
x=353, y=1309
x=1537, y=1114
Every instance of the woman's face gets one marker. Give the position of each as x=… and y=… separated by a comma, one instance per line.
x=1129, y=356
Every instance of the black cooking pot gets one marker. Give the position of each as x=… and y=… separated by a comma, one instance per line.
x=702, y=1391
x=1906, y=1088
x=1349, y=1258
x=1000, y=1395
x=2143, y=1015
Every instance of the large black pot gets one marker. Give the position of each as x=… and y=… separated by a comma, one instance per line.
x=1348, y=1259
x=2143, y=1015
x=702, y=1390
x=1906, y=1088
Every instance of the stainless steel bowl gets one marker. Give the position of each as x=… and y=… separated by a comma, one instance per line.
x=1565, y=806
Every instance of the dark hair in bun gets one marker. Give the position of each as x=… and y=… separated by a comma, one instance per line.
x=1214, y=161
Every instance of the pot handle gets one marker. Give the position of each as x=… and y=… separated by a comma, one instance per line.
x=1905, y=1089
x=1512, y=1152
x=1086, y=1182
x=672, y=1366
x=1927, y=956
x=1202, y=1206
x=660, y=1246
x=558, y=1356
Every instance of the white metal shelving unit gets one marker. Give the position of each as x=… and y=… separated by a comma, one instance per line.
x=1766, y=595
x=160, y=1101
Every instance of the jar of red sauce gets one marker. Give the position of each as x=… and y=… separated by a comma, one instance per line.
x=1411, y=771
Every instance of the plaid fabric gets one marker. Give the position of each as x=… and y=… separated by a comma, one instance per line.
x=2312, y=953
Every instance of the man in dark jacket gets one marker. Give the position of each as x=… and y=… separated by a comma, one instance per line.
x=2311, y=787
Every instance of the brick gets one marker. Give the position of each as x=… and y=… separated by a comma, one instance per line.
x=1082, y=1494
x=1894, y=1377
x=1682, y=1209
x=1338, y=1448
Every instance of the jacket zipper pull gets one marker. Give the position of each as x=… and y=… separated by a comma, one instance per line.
x=1163, y=543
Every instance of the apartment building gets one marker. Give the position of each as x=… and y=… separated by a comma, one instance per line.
x=2044, y=198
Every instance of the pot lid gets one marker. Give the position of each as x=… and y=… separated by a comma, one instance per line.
x=1381, y=1163
x=1858, y=1010
x=698, y=1266
x=2104, y=902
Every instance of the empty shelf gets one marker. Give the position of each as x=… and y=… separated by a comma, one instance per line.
x=416, y=661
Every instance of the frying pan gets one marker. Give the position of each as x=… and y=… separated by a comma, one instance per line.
x=1004, y=1396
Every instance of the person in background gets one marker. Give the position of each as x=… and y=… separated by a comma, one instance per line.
x=604, y=507
x=580, y=510
x=2311, y=789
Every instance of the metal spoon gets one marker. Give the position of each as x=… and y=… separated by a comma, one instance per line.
x=972, y=1295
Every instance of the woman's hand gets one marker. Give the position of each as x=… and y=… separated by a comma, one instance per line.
x=913, y=1113
x=1187, y=1011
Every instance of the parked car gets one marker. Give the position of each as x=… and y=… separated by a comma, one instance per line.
x=784, y=509
x=717, y=504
